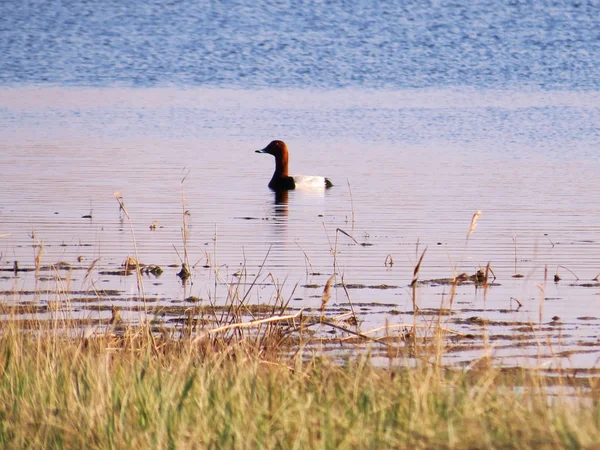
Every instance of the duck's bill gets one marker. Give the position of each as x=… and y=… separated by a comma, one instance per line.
x=262, y=150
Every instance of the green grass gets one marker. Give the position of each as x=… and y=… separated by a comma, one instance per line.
x=145, y=391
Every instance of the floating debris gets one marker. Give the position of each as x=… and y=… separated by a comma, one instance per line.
x=478, y=278
x=131, y=262
x=152, y=269
x=184, y=273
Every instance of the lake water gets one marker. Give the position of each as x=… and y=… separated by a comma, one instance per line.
x=420, y=114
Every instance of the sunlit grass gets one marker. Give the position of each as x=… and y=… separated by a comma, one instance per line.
x=153, y=391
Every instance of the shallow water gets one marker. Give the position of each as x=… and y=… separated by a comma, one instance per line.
x=67, y=151
x=420, y=113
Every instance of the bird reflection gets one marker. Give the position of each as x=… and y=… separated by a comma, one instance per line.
x=280, y=204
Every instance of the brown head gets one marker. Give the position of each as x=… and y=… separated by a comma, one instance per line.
x=279, y=150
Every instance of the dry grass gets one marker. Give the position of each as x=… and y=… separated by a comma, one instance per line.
x=148, y=390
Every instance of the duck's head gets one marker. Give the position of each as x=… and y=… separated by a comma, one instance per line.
x=276, y=148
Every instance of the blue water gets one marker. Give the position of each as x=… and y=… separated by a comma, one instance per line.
x=295, y=44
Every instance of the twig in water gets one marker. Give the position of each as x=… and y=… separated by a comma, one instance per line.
x=343, y=232
x=334, y=250
x=389, y=261
x=516, y=300
x=557, y=277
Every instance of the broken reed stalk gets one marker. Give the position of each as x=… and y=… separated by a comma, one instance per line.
x=343, y=232
x=517, y=301
x=355, y=333
x=339, y=230
x=557, y=277
x=355, y=317
x=388, y=327
x=140, y=281
x=250, y=324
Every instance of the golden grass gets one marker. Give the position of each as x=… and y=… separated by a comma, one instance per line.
x=155, y=390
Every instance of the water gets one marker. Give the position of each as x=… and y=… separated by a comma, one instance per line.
x=421, y=115
x=296, y=44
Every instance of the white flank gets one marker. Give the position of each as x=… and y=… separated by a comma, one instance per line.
x=308, y=181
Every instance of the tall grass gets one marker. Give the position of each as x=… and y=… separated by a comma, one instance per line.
x=140, y=390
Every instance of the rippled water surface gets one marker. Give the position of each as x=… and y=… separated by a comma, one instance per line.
x=421, y=114
x=399, y=44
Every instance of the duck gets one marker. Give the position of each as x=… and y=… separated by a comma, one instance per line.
x=281, y=181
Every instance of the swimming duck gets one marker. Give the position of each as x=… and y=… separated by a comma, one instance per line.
x=281, y=181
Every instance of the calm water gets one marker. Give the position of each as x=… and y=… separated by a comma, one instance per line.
x=420, y=114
